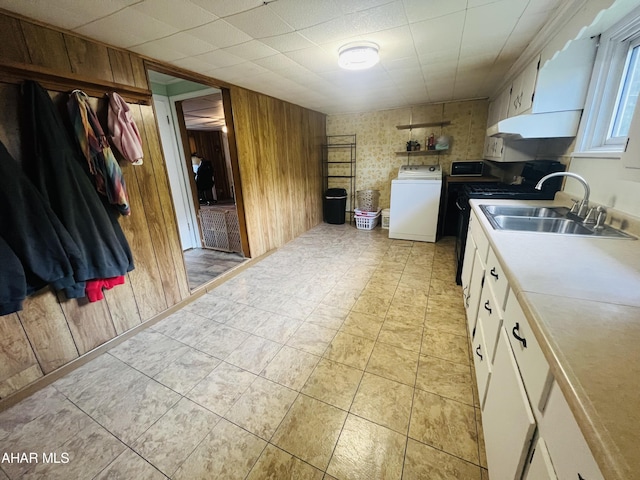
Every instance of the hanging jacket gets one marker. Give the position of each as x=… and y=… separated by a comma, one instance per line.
x=123, y=131
x=32, y=235
x=59, y=171
x=94, y=145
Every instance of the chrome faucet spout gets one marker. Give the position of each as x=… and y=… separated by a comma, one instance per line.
x=584, y=204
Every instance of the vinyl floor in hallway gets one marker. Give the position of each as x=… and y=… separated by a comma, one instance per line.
x=342, y=355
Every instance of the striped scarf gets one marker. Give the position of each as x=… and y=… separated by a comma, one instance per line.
x=94, y=145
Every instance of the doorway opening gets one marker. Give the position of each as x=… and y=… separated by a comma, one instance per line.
x=195, y=140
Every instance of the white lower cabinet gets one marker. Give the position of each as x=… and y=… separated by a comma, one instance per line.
x=507, y=418
x=570, y=454
x=481, y=362
x=474, y=291
x=540, y=466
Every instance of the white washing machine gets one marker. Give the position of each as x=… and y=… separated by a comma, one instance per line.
x=415, y=203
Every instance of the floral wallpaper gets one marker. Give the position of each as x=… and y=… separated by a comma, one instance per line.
x=378, y=141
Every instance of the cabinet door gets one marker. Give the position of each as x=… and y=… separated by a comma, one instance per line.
x=534, y=368
x=481, y=363
x=475, y=289
x=631, y=154
x=523, y=89
x=506, y=418
x=540, y=466
x=502, y=103
x=570, y=454
x=467, y=266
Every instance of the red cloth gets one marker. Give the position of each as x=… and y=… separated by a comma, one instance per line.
x=94, y=287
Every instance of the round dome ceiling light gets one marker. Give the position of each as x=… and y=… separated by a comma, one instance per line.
x=358, y=55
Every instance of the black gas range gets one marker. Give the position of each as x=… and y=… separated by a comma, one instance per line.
x=532, y=172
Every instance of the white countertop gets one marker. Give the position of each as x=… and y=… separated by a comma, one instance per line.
x=581, y=296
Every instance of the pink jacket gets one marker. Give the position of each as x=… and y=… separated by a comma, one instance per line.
x=123, y=131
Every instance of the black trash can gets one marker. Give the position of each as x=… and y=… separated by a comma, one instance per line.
x=334, y=205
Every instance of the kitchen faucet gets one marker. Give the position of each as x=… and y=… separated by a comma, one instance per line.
x=583, y=206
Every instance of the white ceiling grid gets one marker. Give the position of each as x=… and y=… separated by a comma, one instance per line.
x=431, y=50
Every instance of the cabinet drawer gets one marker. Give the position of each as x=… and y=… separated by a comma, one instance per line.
x=481, y=363
x=491, y=315
x=570, y=454
x=474, y=292
x=540, y=465
x=497, y=278
x=533, y=365
x=479, y=238
x=507, y=419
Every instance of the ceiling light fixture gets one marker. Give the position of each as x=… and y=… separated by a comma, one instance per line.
x=358, y=55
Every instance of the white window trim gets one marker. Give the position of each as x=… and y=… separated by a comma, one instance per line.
x=604, y=90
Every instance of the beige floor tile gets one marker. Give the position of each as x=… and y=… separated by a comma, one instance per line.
x=425, y=462
x=448, y=346
x=485, y=473
x=186, y=327
x=372, y=305
x=328, y=316
x=406, y=314
x=171, y=439
x=408, y=337
x=262, y=407
x=481, y=448
x=276, y=464
x=394, y=363
x=128, y=416
x=248, y=319
x=290, y=367
x=149, y=351
x=297, y=308
x=311, y=338
x=411, y=296
x=448, y=379
x=444, y=287
x=129, y=465
x=254, y=354
x=342, y=298
x=222, y=341
x=367, y=450
x=187, y=370
x=445, y=269
x=446, y=313
x=445, y=424
x=421, y=281
x=350, y=350
x=417, y=270
x=227, y=453
x=384, y=402
x=383, y=290
x=219, y=390
x=362, y=325
x=90, y=451
x=333, y=383
x=277, y=328
x=310, y=431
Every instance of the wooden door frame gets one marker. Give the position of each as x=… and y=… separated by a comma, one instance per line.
x=231, y=137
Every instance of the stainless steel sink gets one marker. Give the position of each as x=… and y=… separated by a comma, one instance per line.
x=545, y=220
x=524, y=211
x=540, y=224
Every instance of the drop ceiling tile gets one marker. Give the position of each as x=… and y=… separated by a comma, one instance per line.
x=539, y=6
x=430, y=35
x=195, y=64
x=384, y=17
x=437, y=56
x=407, y=65
x=219, y=58
x=188, y=44
x=238, y=72
x=181, y=14
x=287, y=42
x=251, y=50
x=259, y=22
x=160, y=50
x=315, y=59
x=529, y=25
x=301, y=14
x=394, y=42
x=132, y=27
x=220, y=34
x=419, y=10
x=493, y=20
x=277, y=63
x=331, y=31
x=223, y=8
x=68, y=14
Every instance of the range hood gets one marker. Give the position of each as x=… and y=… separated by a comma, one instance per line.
x=537, y=125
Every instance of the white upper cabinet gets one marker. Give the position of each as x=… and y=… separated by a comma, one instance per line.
x=522, y=91
x=631, y=154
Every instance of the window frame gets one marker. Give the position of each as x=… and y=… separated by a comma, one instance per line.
x=605, y=89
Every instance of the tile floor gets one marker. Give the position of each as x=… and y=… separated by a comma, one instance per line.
x=343, y=355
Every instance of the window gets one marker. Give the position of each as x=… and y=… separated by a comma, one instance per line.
x=613, y=92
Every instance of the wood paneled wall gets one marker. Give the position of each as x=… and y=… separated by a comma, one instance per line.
x=278, y=150
x=51, y=331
